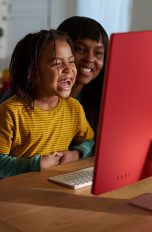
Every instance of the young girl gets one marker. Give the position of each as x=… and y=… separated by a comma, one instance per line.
x=40, y=122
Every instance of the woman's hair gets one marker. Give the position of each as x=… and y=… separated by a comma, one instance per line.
x=79, y=27
x=24, y=65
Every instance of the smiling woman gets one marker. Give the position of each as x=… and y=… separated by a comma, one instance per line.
x=90, y=48
x=89, y=56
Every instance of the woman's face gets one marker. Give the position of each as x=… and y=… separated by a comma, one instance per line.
x=89, y=59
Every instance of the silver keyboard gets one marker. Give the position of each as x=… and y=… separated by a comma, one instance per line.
x=75, y=179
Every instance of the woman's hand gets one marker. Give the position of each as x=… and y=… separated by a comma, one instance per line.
x=68, y=156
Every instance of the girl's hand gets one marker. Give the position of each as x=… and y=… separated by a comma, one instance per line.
x=68, y=156
x=50, y=160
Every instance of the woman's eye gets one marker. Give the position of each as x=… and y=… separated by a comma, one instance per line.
x=79, y=49
x=99, y=53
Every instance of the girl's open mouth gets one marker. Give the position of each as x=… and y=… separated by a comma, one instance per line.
x=65, y=84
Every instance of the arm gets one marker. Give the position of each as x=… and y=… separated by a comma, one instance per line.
x=78, y=151
x=85, y=148
x=10, y=166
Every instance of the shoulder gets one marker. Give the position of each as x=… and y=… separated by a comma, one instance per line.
x=11, y=104
x=72, y=103
x=74, y=107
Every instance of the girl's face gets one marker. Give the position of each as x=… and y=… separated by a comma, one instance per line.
x=89, y=59
x=57, y=70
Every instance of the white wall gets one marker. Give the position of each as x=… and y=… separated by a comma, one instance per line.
x=114, y=15
x=141, y=15
x=60, y=10
x=17, y=18
x=119, y=15
x=24, y=16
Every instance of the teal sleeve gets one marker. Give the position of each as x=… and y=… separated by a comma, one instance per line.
x=86, y=148
x=6, y=96
x=11, y=166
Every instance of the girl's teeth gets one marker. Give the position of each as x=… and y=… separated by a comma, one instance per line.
x=65, y=83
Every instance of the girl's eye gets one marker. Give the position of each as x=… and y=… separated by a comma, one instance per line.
x=72, y=62
x=58, y=64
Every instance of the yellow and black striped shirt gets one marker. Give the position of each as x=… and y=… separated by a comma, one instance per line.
x=25, y=133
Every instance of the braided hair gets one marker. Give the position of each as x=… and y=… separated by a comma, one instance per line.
x=24, y=70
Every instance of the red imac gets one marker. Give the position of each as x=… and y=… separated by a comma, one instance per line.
x=123, y=148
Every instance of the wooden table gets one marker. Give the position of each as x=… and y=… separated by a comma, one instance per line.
x=29, y=202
